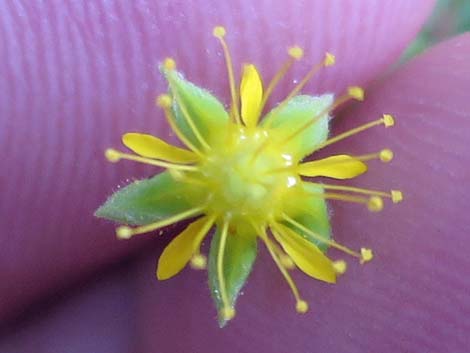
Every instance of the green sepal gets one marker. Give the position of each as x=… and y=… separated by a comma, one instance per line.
x=146, y=201
x=207, y=113
x=239, y=256
x=311, y=211
x=287, y=119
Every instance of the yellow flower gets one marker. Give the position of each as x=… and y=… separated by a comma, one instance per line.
x=244, y=176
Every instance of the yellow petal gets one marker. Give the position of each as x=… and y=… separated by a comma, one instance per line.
x=251, y=94
x=341, y=166
x=180, y=250
x=152, y=147
x=305, y=254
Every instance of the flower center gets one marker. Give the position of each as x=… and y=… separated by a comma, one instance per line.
x=255, y=176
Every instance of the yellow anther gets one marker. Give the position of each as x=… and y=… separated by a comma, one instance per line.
x=296, y=52
x=330, y=59
x=301, y=306
x=227, y=313
x=340, y=266
x=169, y=64
x=388, y=120
x=287, y=262
x=366, y=255
x=219, y=32
x=386, y=155
x=375, y=204
x=124, y=232
x=397, y=196
x=356, y=92
x=112, y=155
x=198, y=262
x=164, y=101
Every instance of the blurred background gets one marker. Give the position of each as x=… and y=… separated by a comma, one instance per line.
x=450, y=17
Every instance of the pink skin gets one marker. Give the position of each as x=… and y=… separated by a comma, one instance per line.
x=69, y=70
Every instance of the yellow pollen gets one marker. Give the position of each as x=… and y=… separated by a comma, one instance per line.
x=287, y=262
x=169, y=64
x=124, y=232
x=112, y=155
x=301, y=306
x=330, y=59
x=356, y=92
x=397, y=196
x=219, y=32
x=163, y=101
x=296, y=52
x=375, y=204
x=340, y=266
x=227, y=313
x=388, y=120
x=386, y=155
x=198, y=262
x=366, y=255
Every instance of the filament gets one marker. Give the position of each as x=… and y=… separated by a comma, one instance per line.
x=164, y=101
x=219, y=33
x=227, y=311
x=125, y=232
x=364, y=256
x=114, y=156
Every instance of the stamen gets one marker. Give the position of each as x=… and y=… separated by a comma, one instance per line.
x=125, y=232
x=227, y=311
x=219, y=33
x=295, y=53
x=114, y=156
x=382, y=121
x=364, y=256
x=352, y=93
x=374, y=203
x=301, y=305
x=169, y=64
x=328, y=60
x=198, y=262
x=385, y=155
x=190, y=121
x=395, y=195
x=164, y=101
x=340, y=266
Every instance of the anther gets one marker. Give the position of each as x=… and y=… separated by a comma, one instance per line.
x=124, y=232
x=296, y=52
x=169, y=64
x=340, y=266
x=219, y=32
x=366, y=255
x=386, y=155
x=375, y=204
x=198, y=262
x=388, y=120
x=164, y=101
x=301, y=306
x=397, y=196
x=330, y=59
x=356, y=92
x=287, y=262
x=112, y=155
x=227, y=313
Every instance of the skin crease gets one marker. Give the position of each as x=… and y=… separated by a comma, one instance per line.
x=77, y=78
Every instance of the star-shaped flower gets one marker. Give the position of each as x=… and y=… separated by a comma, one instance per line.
x=245, y=177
